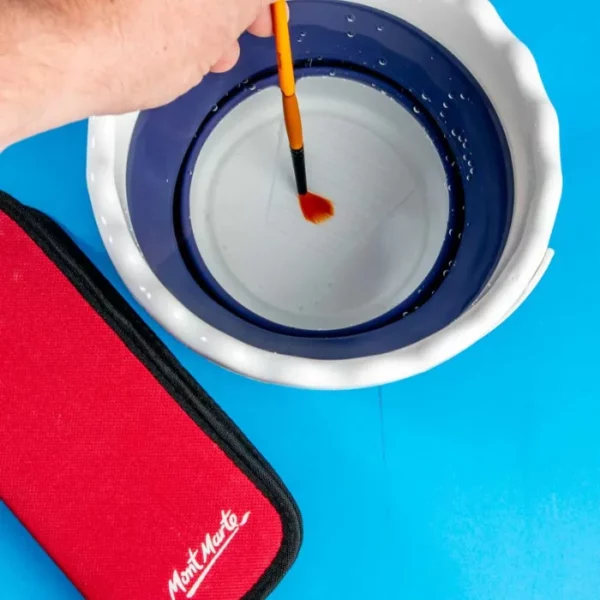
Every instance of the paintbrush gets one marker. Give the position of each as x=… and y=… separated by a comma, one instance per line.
x=315, y=209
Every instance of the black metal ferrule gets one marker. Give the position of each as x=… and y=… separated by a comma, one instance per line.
x=300, y=171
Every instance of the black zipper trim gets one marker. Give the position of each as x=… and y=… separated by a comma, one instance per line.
x=167, y=370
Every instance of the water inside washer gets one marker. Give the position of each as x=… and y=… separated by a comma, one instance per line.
x=370, y=156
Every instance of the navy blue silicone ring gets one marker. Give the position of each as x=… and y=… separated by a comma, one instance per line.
x=454, y=110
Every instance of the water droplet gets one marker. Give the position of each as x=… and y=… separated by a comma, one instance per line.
x=374, y=85
x=405, y=314
x=449, y=187
x=167, y=181
x=350, y=18
x=319, y=58
x=460, y=138
x=451, y=264
x=463, y=97
x=468, y=178
x=465, y=157
x=379, y=27
x=419, y=290
x=472, y=171
x=252, y=87
x=215, y=108
x=383, y=61
x=470, y=163
x=303, y=34
x=299, y=40
x=451, y=96
x=445, y=105
x=465, y=145
x=332, y=73
x=447, y=158
x=425, y=97
x=442, y=114
x=453, y=132
x=416, y=110
x=460, y=236
x=245, y=81
x=445, y=273
x=450, y=231
x=350, y=34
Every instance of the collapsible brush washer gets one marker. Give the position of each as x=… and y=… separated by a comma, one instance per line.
x=427, y=125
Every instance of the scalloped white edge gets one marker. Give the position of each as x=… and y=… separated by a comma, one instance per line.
x=474, y=32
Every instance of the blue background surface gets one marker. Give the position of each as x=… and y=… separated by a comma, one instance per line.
x=477, y=481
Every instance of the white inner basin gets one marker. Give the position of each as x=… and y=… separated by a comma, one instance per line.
x=367, y=154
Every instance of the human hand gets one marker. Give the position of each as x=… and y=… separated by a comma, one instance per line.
x=149, y=53
x=64, y=60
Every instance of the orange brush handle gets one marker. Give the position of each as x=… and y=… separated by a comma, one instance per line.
x=293, y=122
x=283, y=45
x=285, y=68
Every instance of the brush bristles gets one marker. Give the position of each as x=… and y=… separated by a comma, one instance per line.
x=316, y=209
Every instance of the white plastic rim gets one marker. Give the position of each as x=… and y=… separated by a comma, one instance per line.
x=473, y=31
x=391, y=207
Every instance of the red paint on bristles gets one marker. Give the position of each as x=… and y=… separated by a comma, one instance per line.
x=316, y=209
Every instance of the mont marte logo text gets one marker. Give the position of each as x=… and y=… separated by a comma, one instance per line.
x=201, y=560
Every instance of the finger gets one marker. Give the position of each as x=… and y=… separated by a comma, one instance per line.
x=263, y=26
x=228, y=60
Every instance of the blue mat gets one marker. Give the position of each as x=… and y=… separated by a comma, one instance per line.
x=478, y=481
